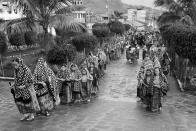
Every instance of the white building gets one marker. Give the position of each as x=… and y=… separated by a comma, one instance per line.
x=9, y=11
x=141, y=15
x=79, y=16
x=131, y=16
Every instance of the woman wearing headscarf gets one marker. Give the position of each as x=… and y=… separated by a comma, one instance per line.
x=95, y=73
x=86, y=83
x=160, y=86
x=64, y=84
x=46, y=86
x=23, y=90
x=147, y=86
x=76, y=86
x=140, y=79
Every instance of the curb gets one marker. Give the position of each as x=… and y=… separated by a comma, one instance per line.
x=180, y=85
x=6, y=79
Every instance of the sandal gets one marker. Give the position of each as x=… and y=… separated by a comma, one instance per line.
x=31, y=118
x=24, y=118
x=47, y=114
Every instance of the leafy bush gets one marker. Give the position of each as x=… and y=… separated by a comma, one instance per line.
x=56, y=56
x=116, y=27
x=182, y=38
x=69, y=51
x=127, y=27
x=100, y=30
x=3, y=43
x=17, y=39
x=86, y=41
x=30, y=38
x=61, y=54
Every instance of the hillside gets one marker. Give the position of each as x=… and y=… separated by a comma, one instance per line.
x=99, y=6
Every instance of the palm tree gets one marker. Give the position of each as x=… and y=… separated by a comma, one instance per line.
x=44, y=13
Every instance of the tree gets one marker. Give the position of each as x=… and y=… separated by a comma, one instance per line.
x=47, y=41
x=116, y=27
x=17, y=39
x=61, y=54
x=3, y=48
x=127, y=27
x=117, y=15
x=3, y=43
x=167, y=17
x=101, y=31
x=85, y=42
x=46, y=13
x=30, y=38
x=186, y=9
x=56, y=56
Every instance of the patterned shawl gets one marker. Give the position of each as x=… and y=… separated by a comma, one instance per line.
x=76, y=74
x=64, y=73
x=23, y=75
x=42, y=72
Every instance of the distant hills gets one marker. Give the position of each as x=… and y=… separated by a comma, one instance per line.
x=99, y=6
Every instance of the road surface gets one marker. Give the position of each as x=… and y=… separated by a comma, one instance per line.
x=116, y=108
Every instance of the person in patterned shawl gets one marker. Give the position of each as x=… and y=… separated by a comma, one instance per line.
x=76, y=86
x=147, y=87
x=44, y=86
x=140, y=79
x=160, y=86
x=23, y=90
x=86, y=82
x=64, y=84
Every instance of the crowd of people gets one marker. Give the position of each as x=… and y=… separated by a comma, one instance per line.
x=152, y=77
x=39, y=92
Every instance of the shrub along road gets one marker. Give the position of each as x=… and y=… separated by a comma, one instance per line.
x=115, y=109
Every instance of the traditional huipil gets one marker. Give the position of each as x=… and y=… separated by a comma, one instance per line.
x=86, y=81
x=44, y=87
x=165, y=64
x=23, y=90
x=75, y=77
x=63, y=76
x=140, y=78
x=102, y=62
x=94, y=72
x=147, y=86
x=160, y=87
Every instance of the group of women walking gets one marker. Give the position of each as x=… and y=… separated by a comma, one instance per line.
x=152, y=77
x=40, y=91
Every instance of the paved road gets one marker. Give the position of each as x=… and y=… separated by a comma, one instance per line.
x=115, y=109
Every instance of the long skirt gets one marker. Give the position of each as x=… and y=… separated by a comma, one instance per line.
x=65, y=93
x=45, y=100
x=154, y=99
x=85, y=89
x=24, y=107
x=27, y=105
x=142, y=91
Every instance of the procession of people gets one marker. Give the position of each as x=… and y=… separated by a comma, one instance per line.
x=39, y=92
x=152, y=77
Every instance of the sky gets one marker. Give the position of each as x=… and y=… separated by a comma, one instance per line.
x=149, y=3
